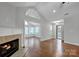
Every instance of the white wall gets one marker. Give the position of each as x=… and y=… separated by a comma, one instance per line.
x=9, y=31
x=7, y=16
x=71, y=30
x=8, y=20
x=46, y=32
x=20, y=16
x=71, y=27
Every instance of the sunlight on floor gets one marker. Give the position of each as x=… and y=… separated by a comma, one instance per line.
x=59, y=48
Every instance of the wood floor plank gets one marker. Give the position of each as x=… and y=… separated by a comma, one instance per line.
x=47, y=49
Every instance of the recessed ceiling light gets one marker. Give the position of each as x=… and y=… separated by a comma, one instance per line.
x=54, y=11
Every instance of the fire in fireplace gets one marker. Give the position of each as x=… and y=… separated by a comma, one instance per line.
x=8, y=48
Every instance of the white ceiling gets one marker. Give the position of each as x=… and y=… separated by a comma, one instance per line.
x=45, y=9
x=32, y=13
x=23, y=4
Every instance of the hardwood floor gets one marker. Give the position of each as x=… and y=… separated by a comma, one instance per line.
x=48, y=48
x=71, y=50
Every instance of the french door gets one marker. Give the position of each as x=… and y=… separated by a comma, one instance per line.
x=59, y=32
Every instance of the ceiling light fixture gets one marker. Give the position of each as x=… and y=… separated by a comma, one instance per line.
x=54, y=11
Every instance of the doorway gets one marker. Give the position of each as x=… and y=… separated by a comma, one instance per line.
x=31, y=33
x=59, y=37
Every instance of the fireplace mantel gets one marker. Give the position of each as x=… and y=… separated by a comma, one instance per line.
x=4, y=39
x=7, y=38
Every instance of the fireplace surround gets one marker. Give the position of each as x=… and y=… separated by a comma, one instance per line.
x=8, y=48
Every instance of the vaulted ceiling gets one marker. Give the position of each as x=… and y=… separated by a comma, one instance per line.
x=46, y=9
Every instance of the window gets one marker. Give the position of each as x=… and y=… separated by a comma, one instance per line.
x=37, y=30
x=26, y=30
x=32, y=30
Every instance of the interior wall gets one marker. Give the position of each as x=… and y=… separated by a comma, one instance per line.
x=9, y=31
x=8, y=20
x=71, y=27
x=46, y=31
x=7, y=16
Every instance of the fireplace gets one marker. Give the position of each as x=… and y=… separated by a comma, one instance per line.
x=8, y=48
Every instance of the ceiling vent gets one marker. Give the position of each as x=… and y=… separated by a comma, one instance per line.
x=63, y=4
x=66, y=14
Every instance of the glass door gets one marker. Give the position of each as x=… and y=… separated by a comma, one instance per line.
x=59, y=32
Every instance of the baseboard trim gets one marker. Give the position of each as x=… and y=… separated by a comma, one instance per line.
x=44, y=39
x=76, y=44
x=47, y=39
